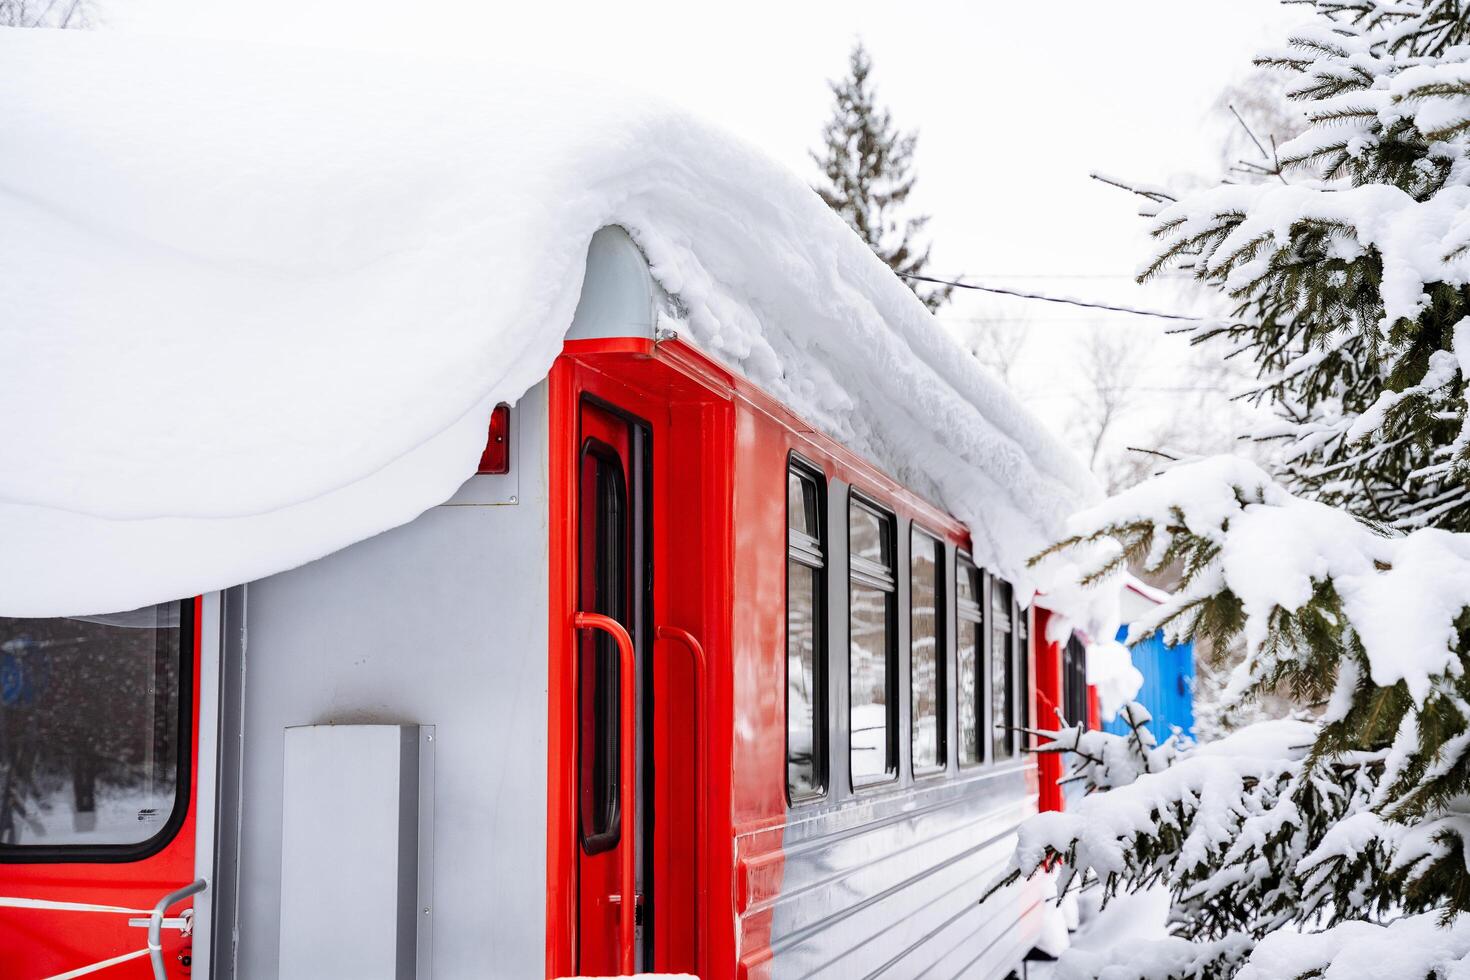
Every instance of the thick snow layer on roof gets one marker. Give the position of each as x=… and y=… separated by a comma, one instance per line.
x=258, y=303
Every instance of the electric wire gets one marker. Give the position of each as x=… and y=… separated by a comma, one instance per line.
x=1053, y=299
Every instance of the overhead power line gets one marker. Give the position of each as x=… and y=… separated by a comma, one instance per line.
x=1075, y=275
x=1053, y=299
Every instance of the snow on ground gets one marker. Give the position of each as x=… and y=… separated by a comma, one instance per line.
x=1127, y=921
x=265, y=300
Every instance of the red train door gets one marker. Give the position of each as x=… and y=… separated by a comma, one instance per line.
x=613, y=598
x=98, y=789
x=637, y=551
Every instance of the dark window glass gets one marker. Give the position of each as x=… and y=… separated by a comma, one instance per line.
x=603, y=589
x=1074, y=682
x=872, y=641
x=1002, y=676
x=926, y=655
x=92, y=720
x=967, y=611
x=805, y=661
x=967, y=585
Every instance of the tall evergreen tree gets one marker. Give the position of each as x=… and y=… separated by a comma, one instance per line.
x=1295, y=849
x=867, y=164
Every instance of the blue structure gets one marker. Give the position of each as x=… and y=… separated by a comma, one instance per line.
x=1168, y=685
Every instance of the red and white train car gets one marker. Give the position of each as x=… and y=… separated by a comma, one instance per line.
x=676, y=682
x=679, y=652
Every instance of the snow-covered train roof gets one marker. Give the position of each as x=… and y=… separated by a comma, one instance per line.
x=258, y=303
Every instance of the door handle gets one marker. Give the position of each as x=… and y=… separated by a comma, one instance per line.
x=701, y=751
x=627, y=776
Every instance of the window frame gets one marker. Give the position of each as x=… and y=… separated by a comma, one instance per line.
x=869, y=574
x=811, y=553
x=937, y=554
x=189, y=634
x=972, y=614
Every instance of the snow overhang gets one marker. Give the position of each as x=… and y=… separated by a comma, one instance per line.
x=259, y=303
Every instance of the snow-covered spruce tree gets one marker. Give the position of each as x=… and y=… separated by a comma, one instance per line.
x=1339, y=311
x=867, y=166
x=1295, y=849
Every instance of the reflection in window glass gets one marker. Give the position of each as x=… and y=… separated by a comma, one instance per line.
x=801, y=680
x=871, y=537
x=873, y=650
x=969, y=693
x=806, y=674
x=967, y=610
x=870, y=677
x=926, y=664
x=90, y=716
x=1002, y=679
x=801, y=504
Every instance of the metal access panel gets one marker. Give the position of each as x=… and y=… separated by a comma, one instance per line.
x=356, y=853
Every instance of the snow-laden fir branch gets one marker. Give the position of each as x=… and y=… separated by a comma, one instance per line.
x=1350, y=281
x=1360, y=815
x=1336, y=846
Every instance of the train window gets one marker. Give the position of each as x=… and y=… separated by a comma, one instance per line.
x=969, y=620
x=926, y=651
x=806, y=675
x=94, y=733
x=603, y=589
x=1074, y=682
x=872, y=601
x=1002, y=673
x=872, y=538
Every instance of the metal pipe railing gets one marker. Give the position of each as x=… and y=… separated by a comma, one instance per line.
x=154, y=920
x=155, y=923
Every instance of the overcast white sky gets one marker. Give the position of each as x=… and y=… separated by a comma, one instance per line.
x=1015, y=104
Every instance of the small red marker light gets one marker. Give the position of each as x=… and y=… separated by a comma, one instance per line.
x=496, y=458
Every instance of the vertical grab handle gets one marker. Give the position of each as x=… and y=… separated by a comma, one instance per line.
x=155, y=924
x=627, y=775
x=701, y=753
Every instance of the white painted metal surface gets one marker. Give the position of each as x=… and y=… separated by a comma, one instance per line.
x=350, y=856
x=442, y=621
x=619, y=295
